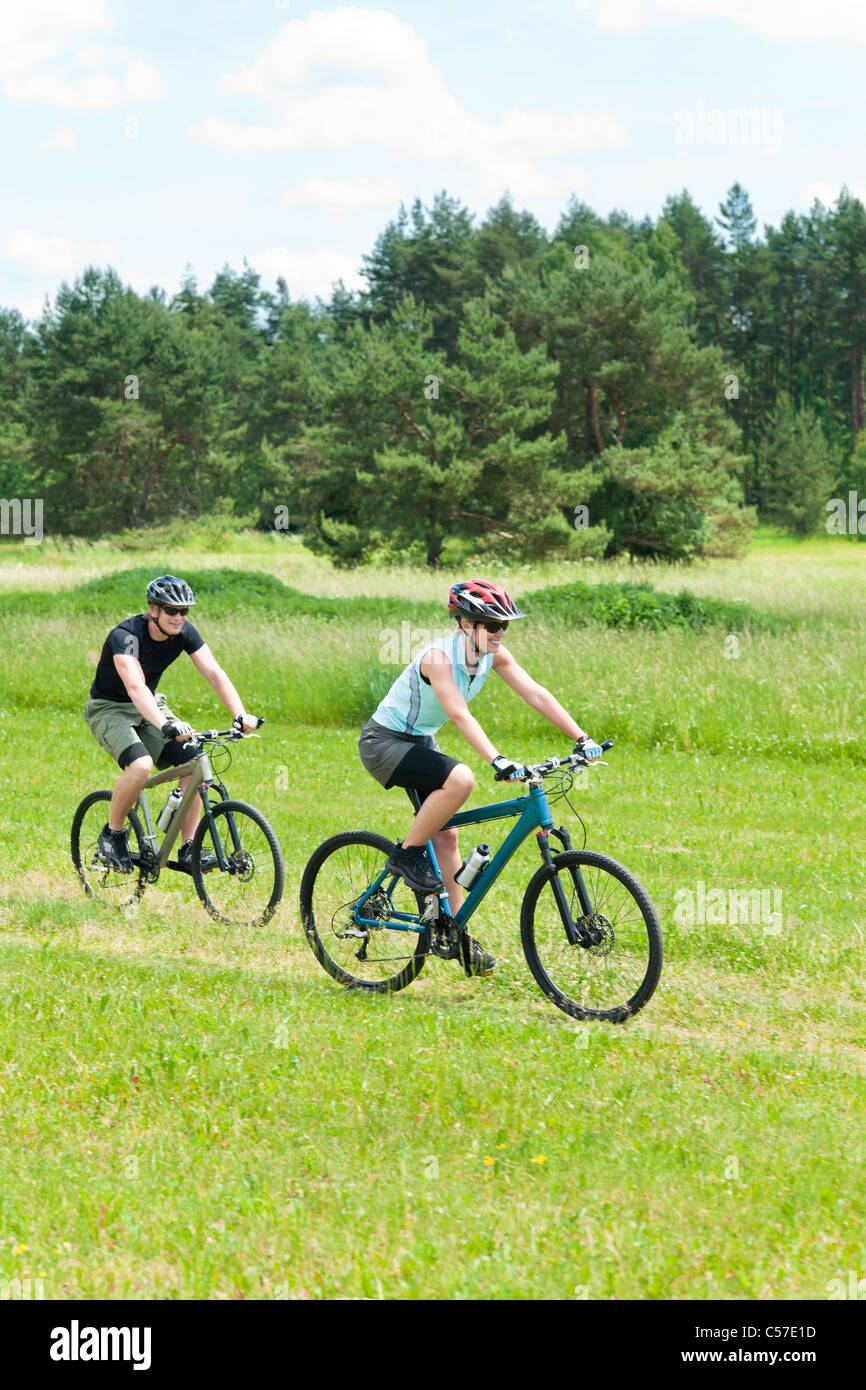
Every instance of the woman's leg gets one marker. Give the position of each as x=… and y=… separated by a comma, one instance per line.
x=436, y=810
x=447, y=852
x=439, y=806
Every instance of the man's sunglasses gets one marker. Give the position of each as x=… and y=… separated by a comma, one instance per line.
x=492, y=627
x=174, y=612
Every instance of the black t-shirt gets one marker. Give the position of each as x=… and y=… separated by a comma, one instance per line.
x=131, y=639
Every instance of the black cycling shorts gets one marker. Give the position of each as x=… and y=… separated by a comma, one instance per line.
x=423, y=770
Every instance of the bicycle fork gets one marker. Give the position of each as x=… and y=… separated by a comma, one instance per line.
x=576, y=932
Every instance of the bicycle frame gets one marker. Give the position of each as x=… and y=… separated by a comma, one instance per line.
x=201, y=777
x=534, y=816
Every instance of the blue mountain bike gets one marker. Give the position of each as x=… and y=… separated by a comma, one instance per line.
x=589, y=931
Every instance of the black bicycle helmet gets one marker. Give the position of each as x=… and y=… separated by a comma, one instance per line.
x=171, y=590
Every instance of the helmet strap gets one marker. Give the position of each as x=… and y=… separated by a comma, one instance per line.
x=156, y=621
x=469, y=638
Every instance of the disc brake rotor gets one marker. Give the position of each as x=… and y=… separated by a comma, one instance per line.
x=606, y=945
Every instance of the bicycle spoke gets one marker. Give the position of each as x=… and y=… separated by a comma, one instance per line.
x=615, y=975
x=101, y=882
x=246, y=891
x=379, y=954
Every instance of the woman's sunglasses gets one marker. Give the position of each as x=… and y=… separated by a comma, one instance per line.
x=492, y=627
x=174, y=612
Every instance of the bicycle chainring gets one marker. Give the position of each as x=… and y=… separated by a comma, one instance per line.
x=445, y=939
x=148, y=865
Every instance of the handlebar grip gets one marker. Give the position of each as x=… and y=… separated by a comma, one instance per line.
x=608, y=743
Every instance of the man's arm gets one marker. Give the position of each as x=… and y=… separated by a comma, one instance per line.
x=207, y=665
x=534, y=694
x=130, y=672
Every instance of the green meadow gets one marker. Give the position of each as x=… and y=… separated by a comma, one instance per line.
x=191, y=1111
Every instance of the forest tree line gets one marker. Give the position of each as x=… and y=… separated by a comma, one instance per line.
x=617, y=385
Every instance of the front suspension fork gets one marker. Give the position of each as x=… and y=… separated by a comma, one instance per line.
x=576, y=933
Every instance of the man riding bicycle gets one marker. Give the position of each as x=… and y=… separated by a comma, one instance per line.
x=398, y=747
x=134, y=725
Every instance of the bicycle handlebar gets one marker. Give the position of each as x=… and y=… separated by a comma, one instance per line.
x=533, y=771
x=210, y=735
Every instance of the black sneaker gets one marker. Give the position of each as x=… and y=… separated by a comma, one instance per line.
x=114, y=848
x=476, y=961
x=184, y=858
x=414, y=868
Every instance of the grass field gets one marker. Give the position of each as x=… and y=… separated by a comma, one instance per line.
x=188, y=1111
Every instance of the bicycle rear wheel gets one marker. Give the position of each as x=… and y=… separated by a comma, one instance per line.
x=247, y=891
x=612, y=978
x=382, y=958
x=100, y=881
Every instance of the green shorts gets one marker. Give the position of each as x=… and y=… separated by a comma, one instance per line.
x=118, y=725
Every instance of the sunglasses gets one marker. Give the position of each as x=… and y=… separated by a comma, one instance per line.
x=174, y=612
x=493, y=627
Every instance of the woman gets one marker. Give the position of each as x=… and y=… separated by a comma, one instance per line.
x=398, y=747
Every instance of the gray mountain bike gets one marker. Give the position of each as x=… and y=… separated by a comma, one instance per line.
x=245, y=885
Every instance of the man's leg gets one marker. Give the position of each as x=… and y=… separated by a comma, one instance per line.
x=193, y=815
x=170, y=752
x=127, y=788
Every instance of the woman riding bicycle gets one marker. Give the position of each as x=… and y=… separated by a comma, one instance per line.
x=398, y=747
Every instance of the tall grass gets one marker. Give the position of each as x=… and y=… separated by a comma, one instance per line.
x=198, y=1112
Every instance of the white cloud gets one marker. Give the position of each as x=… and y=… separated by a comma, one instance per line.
x=40, y=21
x=772, y=19
x=308, y=274
x=349, y=76
x=341, y=196
x=142, y=82
x=827, y=193
x=53, y=255
x=63, y=138
x=333, y=47
x=49, y=56
x=527, y=184
x=30, y=306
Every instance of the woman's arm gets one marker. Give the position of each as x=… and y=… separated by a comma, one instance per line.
x=535, y=695
x=436, y=666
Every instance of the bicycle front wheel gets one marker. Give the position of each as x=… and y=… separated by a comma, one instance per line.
x=381, y=958
x=612, y=976
x=246, y=892
x=102, y=882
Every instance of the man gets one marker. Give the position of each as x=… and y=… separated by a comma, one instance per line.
x=398, y=746
x=132, y=723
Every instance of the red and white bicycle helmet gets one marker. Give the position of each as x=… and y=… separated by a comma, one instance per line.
x=478, y=598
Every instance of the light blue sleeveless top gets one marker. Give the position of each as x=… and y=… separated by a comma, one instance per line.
x=412, y=706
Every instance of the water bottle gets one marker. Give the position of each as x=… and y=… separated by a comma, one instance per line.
x=166, y=815
x=471, y=869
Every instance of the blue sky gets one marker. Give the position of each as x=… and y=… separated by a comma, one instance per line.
x=203, y=132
